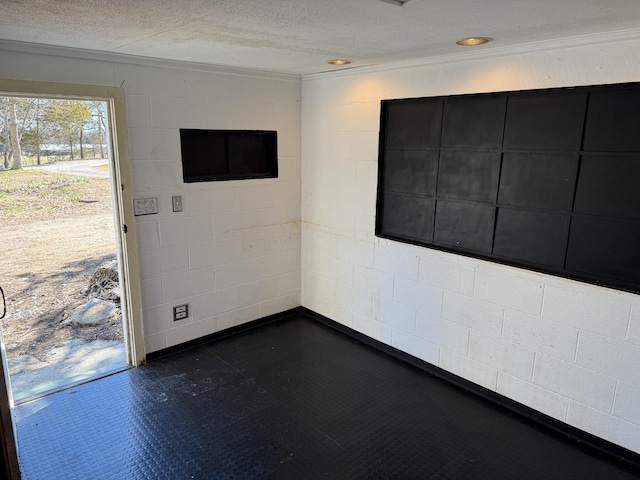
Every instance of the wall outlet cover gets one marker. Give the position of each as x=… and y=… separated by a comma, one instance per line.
x=180, y=312
x=145, y=206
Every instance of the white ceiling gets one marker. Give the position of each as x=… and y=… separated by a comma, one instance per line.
x=300, y=36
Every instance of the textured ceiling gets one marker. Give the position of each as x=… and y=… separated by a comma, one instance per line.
x=299, y=36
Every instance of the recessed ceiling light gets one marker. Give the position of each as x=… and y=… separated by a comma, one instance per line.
x=473, y=41
x=339, y=61
x=399, y=3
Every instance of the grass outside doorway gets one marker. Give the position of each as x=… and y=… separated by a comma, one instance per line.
x=56, y=230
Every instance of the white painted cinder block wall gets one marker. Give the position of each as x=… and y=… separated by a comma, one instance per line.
x=564, y=348
x=233, y=254
x=567, y=349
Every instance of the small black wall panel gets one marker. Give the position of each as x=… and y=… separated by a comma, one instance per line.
x=538, y=180
x=409, y=217
x=608, y=186
x=550, y=121
x=473, y=121
x=606, y=247
x=546, y=179
x=247, y=152
x=531, y=237
x=464, y=225
x=469, y=175
x=411, y=171
x=219, y=155
x=414, y=124
x=613, y=123
x=202, y=149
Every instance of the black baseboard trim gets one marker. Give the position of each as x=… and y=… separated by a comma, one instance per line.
x=626, y=457
x=599, y=446
x=153, y=356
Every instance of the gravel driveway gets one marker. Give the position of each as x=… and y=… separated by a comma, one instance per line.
x=85, y=168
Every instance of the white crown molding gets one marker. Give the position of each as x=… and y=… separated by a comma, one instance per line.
x=486, y=53
x=111, y=57
x=483, y=53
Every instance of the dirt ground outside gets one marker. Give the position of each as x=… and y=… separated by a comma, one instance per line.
x=55, y=231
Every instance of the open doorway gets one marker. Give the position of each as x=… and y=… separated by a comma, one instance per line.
x=59, y=260
x=122, y=194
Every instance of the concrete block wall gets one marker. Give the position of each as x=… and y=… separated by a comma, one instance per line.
x=567, y=349
x=233, y=253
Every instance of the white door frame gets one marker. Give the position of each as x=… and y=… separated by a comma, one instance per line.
x=125, y=234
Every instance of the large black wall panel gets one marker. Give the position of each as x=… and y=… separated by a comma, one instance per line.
x=547, y=180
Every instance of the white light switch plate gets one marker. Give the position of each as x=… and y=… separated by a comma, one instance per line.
x=176, y=202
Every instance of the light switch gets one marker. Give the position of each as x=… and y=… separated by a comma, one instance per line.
x=176, y=201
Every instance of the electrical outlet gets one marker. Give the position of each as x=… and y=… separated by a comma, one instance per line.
x=145, y=206
x=176, y=201
x=180, y=312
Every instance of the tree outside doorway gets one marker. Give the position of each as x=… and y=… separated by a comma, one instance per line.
x=37, y=131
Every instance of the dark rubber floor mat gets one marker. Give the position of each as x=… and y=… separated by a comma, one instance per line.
x=289, y=400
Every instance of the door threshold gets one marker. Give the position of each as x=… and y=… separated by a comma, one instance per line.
x=53, y=387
